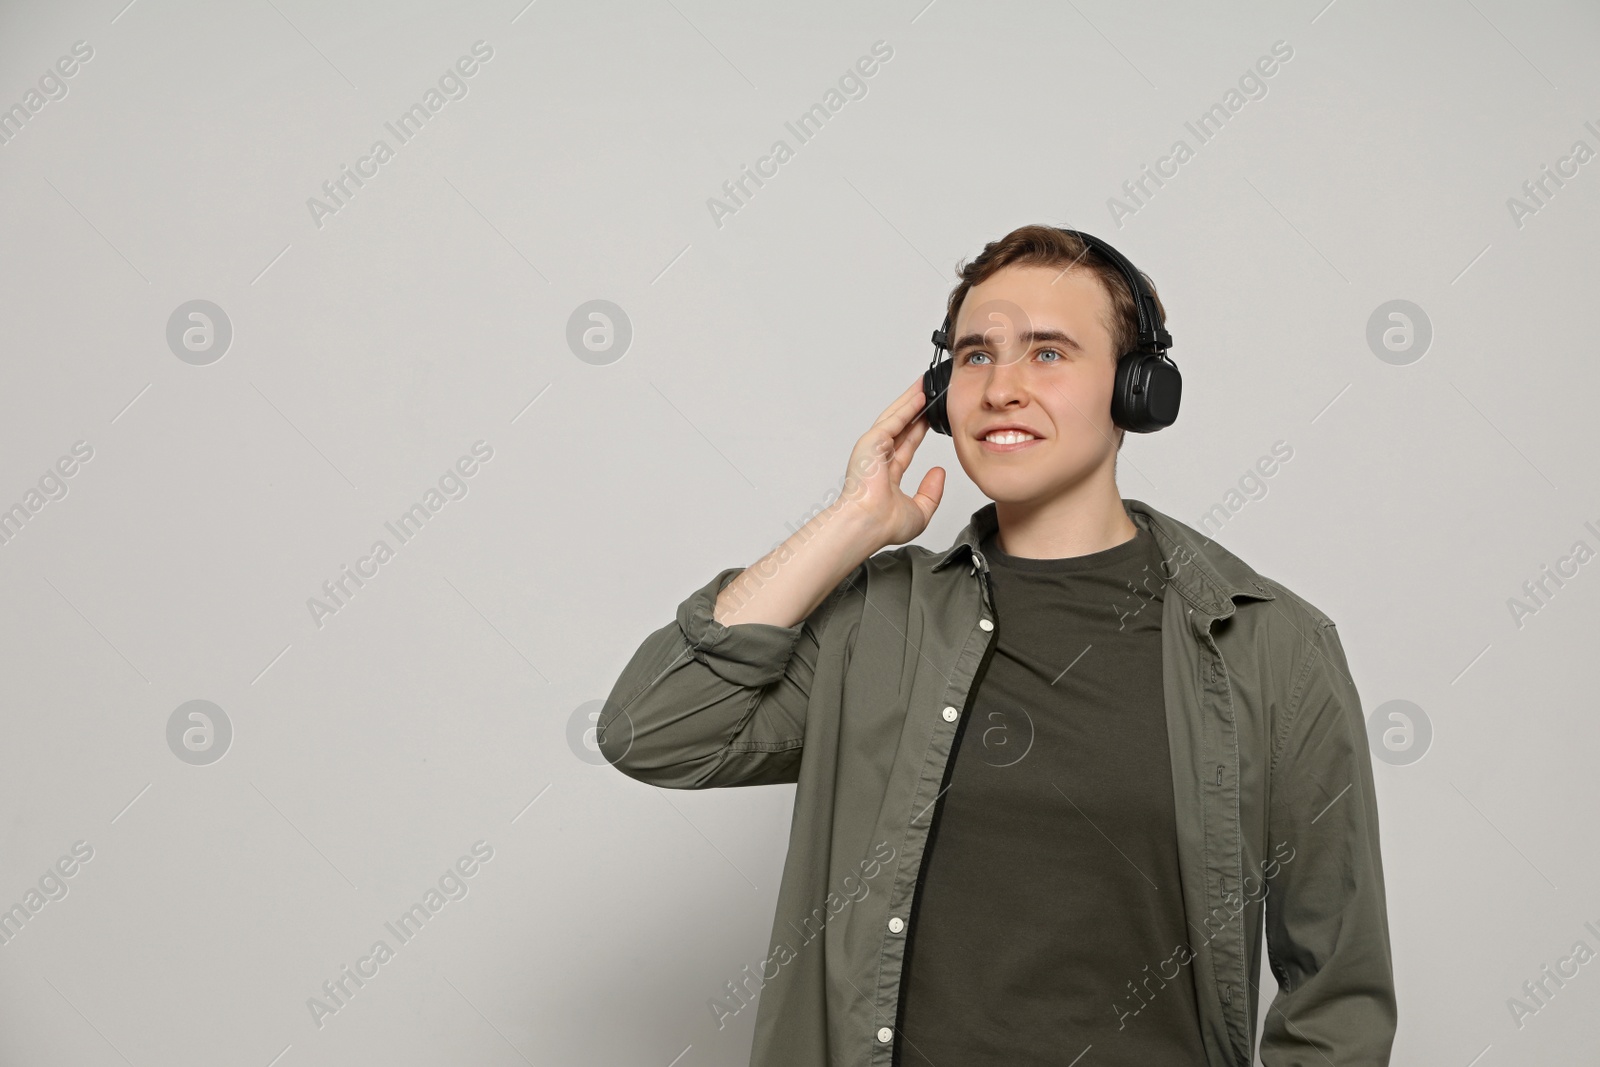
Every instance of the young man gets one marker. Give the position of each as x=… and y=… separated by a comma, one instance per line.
x=1050, y=781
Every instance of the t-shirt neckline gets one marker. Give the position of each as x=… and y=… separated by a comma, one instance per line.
x=1126, y=552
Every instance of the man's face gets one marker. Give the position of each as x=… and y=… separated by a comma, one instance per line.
x=1031, y=350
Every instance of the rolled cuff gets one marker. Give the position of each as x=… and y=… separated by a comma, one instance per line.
x=750, y=654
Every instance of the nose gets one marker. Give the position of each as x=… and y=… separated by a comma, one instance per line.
x=1005, y=383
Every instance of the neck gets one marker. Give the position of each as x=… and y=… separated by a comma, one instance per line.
x=1088, y=517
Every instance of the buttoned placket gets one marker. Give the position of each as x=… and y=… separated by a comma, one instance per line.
x=951, y=715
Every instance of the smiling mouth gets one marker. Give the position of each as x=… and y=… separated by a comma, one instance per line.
x=1007, y=441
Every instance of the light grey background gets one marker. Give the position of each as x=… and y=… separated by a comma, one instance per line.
x=431, y=311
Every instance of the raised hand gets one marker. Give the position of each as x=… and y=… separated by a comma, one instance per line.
x=878, y=462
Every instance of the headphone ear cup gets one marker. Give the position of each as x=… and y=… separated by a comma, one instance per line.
x=935, y=385
x=1164, y=388
x=1147, y=393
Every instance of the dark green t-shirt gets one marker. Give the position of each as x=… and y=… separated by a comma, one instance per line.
x=1051, y=912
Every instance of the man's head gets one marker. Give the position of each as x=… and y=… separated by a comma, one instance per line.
x=1037, y=324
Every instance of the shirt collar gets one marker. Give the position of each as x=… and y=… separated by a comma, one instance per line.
x=1202, y=571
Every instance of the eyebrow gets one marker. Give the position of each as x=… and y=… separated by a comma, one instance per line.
x=1031, y=337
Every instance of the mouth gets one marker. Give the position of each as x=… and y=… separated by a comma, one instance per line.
x=1008, y=439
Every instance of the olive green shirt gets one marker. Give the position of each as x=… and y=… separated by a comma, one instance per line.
x=858, y=706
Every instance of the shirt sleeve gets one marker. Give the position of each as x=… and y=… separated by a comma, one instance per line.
x=1326, y=922
x=702, y=705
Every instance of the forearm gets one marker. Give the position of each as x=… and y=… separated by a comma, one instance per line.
x=788, y=583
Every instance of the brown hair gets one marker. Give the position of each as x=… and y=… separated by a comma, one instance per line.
x=1048, y=246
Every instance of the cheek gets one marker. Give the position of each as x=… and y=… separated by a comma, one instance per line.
x=1079, y=401
x=960, y=400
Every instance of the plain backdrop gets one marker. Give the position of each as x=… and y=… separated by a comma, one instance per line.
x=347, y=757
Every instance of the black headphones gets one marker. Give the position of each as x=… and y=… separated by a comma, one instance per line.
x=1148, y=385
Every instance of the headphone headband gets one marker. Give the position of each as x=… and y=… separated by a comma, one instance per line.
x=1153, y=335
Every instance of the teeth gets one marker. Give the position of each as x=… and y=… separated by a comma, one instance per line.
x=1008, y=437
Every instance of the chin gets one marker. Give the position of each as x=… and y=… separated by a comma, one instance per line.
x=1013, y=487
x=1019, y=486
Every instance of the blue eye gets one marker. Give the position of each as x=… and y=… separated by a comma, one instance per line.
x=970, y=356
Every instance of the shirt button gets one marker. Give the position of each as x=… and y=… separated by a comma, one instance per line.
x=884, y=1034
x=951, y=714
x=896, y=924
x=985, y=624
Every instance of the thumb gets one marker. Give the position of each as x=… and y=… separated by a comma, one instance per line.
x=929, y=493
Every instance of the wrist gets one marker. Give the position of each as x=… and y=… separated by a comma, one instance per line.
x=853, y=527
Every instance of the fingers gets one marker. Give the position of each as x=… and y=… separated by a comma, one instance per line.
x=895, y=403
x=906, y=442
x=894, y=437
x=904, y=410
